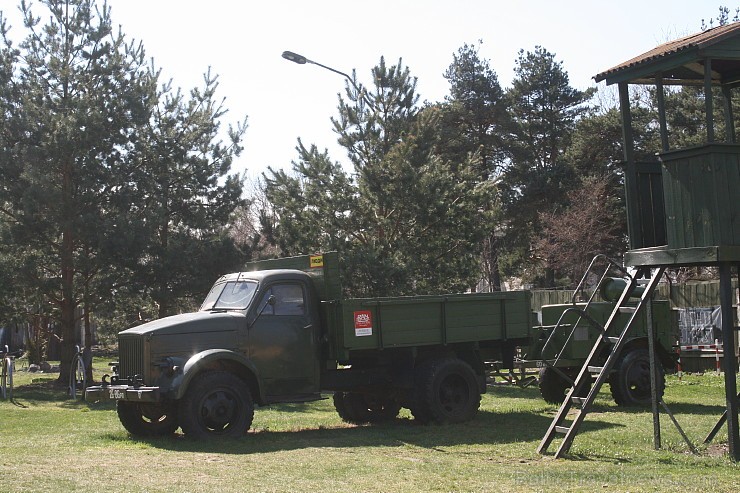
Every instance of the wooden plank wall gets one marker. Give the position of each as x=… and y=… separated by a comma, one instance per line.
x=685, y=295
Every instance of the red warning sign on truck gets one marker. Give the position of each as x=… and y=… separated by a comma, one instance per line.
x=363, y=323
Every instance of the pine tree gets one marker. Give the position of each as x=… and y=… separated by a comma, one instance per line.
x=181, y=197
x=81, y=94
x=406, y=221
x=113, y=190
x=545, y=109
x=475, y=122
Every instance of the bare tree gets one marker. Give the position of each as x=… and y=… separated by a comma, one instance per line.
x=587, y=226
x=253, y=222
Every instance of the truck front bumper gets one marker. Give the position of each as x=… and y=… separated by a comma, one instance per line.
x=122, y=393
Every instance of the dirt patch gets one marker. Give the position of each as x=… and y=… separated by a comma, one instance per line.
x=718, y=450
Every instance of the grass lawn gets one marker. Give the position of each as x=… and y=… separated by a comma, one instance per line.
x=49, y=443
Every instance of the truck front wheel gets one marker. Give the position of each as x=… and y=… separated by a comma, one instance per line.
x=630, y=382
x=358, y=408
x=217, y=404
x=446, y=391
x=553, y=386
x=147, y=420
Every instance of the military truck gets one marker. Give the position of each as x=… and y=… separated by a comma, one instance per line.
x=564, y=338
x=281, y=332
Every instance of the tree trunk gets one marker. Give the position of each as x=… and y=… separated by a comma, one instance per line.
x=549, y=277
x=492, y=262
x=163, y=300
x=68, y=303
x=68, y=306
x=88, y=346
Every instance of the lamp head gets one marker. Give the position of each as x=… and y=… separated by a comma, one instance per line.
x=294, y=57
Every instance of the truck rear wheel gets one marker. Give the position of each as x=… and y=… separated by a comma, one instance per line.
x=358, y=408
x=147, y=420
x=630, y=382
x=446, y=391
x=217, y=404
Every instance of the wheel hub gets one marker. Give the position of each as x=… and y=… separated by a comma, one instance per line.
x=453, y=394
x=218, y=410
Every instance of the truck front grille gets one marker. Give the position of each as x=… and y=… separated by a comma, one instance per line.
x=131, y=356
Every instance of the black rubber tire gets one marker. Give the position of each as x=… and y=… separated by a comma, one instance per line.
x=446, y=391
x=630, y=382
x=341, y=406
x=553, y=387
x=217, y=404
x=147, y=420
x=358, y=408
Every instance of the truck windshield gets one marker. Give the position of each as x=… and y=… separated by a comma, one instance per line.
x=231, y=295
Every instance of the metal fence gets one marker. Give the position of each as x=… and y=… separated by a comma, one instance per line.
x=699, y=326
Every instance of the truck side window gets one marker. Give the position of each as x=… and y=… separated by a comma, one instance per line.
x=289, y=300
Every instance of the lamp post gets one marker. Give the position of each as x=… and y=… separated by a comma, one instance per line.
x=302, y=60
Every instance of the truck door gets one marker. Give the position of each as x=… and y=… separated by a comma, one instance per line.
x=283, y=341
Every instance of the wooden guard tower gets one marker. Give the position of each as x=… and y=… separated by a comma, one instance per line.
x=684, y=208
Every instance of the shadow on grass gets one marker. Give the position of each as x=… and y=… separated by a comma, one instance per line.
x=513, y=391
x=40, y=392
x=488, y=428
x=295, y=407
x=50, y=392
x=677, y=408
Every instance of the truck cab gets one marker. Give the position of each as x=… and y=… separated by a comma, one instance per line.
x=263, y=327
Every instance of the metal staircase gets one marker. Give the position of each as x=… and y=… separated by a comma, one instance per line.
x=567, y=424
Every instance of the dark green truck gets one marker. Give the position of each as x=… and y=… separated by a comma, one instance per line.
x=281, y=332
x=563, y=340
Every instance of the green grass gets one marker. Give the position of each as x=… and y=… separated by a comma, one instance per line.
x=49, y=443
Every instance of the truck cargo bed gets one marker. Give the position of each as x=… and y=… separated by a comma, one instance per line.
x=382, y=323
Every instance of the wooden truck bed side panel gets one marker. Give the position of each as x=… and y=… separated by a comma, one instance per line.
x=495, y=316
x=379, y=323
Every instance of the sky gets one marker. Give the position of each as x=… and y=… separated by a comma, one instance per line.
x=242, y=41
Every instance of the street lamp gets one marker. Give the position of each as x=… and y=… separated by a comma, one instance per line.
x=302, y=60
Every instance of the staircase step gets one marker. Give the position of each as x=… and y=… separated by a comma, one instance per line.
x=613, y=340
x=595, y=370
x=562, y=429
x=578, y=400
x=627, y=309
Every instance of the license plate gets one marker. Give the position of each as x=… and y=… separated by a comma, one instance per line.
x=116, y=394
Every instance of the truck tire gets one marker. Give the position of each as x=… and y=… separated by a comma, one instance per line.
x=217, y=404
x=630, y=382
x=342, y=408
x=358, y=408
x=446, y=391
x=553, y=387
x=147, y=420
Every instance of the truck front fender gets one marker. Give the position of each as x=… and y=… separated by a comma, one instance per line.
x=218, y=359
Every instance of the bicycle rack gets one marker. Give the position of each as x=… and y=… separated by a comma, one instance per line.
x=77, y=374
x=6, y=374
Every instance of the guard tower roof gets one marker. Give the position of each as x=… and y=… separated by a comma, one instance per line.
x=681, y=61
